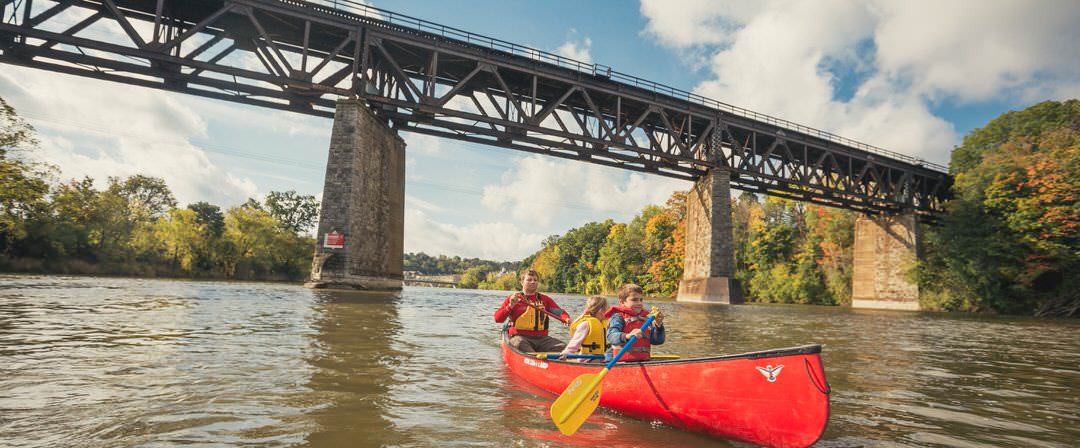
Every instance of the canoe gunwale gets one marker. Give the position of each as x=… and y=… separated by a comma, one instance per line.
x=809, y=349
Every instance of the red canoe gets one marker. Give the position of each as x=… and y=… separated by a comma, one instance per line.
x=776, y=398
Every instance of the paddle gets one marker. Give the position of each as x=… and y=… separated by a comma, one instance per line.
x=556, y=356
x=549, y=313
x=580, y=398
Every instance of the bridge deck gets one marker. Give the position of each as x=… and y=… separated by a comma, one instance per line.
x=429, y=78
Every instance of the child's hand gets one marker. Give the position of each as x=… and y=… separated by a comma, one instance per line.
x=635, y=332
x=659, y=320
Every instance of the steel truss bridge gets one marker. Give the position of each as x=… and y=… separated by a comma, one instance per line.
x=427, y=78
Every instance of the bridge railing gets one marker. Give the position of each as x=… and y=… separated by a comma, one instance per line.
x=358, y=8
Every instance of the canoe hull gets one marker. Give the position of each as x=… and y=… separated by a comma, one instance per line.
x=746, y=397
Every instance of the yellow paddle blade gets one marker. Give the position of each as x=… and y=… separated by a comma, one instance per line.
x=577, y=402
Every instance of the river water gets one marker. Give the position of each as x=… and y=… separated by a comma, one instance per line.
x=103, y=362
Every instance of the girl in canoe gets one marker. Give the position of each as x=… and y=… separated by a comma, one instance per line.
x=588, y=332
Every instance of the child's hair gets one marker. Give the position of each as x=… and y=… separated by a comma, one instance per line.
x=595, y=305
x=625, y=290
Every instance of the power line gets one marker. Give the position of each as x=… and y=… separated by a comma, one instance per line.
x=224, y=150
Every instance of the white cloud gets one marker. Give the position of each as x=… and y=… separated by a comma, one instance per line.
x=499, y=241
x=786, y=58
x=535, y=184
x=974, y=50
x=578, y=51
x=413, y=202
x=263, y=120
x=422, y=143
x=92, y=128
x=686, y=23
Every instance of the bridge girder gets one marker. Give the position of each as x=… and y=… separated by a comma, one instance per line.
x=426, y=78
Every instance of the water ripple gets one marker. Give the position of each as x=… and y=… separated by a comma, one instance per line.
x=122, y=362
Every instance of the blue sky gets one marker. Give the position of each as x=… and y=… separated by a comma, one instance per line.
x=912, y=77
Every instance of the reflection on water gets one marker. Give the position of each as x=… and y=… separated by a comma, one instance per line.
x=123, y=362
x=355, y=361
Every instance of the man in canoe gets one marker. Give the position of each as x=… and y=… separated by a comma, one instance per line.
x=626, y=319
x=528, y=311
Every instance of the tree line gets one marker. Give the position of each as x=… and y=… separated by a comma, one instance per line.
x=785, y=252
x=475, y=273
x=133, y=226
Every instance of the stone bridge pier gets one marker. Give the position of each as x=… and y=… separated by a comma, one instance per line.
x=709, y=261
x=886, y=247
x=360, y=239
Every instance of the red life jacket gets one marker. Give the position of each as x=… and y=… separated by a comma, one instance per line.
x=641, y=349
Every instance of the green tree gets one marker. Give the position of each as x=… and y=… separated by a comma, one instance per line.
x=74, y=207
x=472, y=277
x=507, y=282
x=211, y=220
x=111, y=224
x=248, y=241
x=575, y=260
x=183, y=238
x=210, y=216
x=667, y=232
x=23, y=186
x=148, y=198
x=1008, y=242
x=833, y=230
x=296, y=212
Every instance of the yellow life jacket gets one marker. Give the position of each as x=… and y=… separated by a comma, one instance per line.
x=595, y=342
x=532, y=319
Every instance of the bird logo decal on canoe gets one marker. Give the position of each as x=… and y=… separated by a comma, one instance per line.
x=770, y=372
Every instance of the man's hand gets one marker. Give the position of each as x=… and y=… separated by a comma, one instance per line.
x=513, y=301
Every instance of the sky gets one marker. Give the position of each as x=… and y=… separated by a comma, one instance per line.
x=912, y=77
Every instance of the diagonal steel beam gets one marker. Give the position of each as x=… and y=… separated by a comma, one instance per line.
x=268, y=42
x=59, y=7
x=197, y=28
x=458, y=86
x=124, y=23
x=548, y=108
x=407, y=86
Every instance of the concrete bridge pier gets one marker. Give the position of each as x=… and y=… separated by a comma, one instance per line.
x=709, y=262
x=360, y=240
x=885, y=247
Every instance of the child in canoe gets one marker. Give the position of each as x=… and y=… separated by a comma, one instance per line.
x=588, y=332
x=626, y=320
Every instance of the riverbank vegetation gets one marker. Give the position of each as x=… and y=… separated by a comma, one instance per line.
x=134, y=226
x=475, y=273
x=785, y=252
x=1010, y=240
